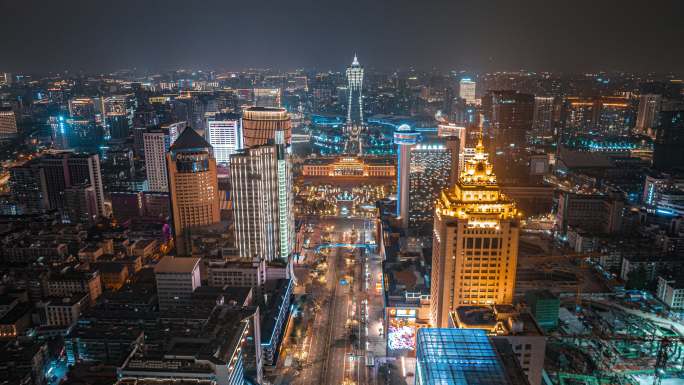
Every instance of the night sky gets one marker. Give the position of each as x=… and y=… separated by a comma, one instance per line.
x=478, y=35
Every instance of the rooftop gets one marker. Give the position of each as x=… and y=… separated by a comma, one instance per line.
x=189, y=139
x=457, y=356
x=170, y=264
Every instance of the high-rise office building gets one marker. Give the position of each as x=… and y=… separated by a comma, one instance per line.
x=193, y=187
x=667, y=149
x=259, y=125
x=262, y=201
x=647, y=114
x=80, y=204
x=119, y=126
x=118, y=105
x=55, y=173
x=430, y=167
x=405, y=138
x=454, y=137
x=174, y=129
x=27, y=184
x=475, y=243
x=509, y=114
x=466, y=90
x=8, y=123
x=224, y=133
x=267, y=97
x=83, y=108
x=542, y=121
x=156, y=144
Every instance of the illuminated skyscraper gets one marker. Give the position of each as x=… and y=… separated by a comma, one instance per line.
x=475, y=242
x=429, y=170
x=8, y=123
x=259, y=125
x=193, y=187
x=466, y=90
x=224, y=133
x=405, y=138
x=542, y=121
x=354, y=107
x=509, y=114
x=647, y=115
x=262, y=200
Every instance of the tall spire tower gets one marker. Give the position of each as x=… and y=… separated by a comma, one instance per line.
x=354, y=104
x=475, y=242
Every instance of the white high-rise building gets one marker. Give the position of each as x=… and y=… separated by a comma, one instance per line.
x=175, y=129
x=261, y=179
x=405, y=138
x=156, y=144
x=224, y=133
x=467, y=90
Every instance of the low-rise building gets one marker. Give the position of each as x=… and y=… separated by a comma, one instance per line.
x=63, y=311
x=519, y=329
x=177, y=278
x=89, y=342
x=70, y=281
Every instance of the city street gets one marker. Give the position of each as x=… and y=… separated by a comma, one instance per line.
x=344, y=334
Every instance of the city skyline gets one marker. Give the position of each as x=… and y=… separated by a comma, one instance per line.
x=575, y=37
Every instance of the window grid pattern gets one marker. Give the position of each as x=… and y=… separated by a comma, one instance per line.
x=457, y=357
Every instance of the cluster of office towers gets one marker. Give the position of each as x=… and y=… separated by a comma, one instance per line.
x=475, y=226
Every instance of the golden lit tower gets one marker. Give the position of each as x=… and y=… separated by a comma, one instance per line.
x=193, y=186
x=475, y=245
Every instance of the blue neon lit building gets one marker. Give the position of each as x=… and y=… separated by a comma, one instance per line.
x=464, y=357
x=404, y=138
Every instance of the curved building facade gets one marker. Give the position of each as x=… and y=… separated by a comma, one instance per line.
x=259, y=125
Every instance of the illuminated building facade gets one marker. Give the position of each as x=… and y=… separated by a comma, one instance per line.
x=509, y=115
x=193, y=187
x=466, y=90
x=475, y=242
x=464, y=357
x=542, y=121
x=8, y=123
x=224, y=133
x=82, y=108
x=608, y=115
x=355, y=94
x=354, y=107
x=261, y=179
x=647, y=114
x=429, y=171
x=405, y=138
x=259, y=125
x=156, y=144
x=349, y=167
